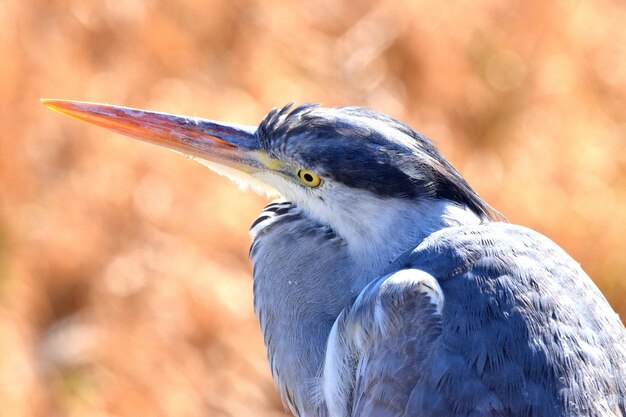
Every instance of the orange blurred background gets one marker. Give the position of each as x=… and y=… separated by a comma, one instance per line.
x=125, y=287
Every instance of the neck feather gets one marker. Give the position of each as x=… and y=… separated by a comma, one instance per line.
x=306, y=271
x=393, y=227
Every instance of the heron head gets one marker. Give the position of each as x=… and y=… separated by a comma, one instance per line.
x=357, y=153
x=336, y=162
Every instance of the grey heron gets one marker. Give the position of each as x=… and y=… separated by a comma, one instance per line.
x=385, y=286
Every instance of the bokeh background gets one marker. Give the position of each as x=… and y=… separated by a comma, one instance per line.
x=125, y=288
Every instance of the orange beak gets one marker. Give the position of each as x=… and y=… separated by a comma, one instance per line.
x=226, y=144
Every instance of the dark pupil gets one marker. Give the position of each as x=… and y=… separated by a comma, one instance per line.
x=308, y=177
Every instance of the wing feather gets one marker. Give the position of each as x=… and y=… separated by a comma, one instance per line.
x=481, y=321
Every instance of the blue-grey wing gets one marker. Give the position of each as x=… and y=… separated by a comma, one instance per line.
x=379, y=344
x=489, y=320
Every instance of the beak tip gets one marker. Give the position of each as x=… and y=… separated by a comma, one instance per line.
x=50, y=103
x=65, y=107
x=47, y=101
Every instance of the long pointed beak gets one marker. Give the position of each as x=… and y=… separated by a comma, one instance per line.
x=230, y=145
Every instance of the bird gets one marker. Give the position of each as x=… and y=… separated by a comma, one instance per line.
x=384, y=285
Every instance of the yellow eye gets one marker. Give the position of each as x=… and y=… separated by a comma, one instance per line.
x=308, y=178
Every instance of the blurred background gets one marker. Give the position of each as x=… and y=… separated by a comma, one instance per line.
x=125, y=288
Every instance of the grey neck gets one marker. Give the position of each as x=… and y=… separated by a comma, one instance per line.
x=305, y=273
